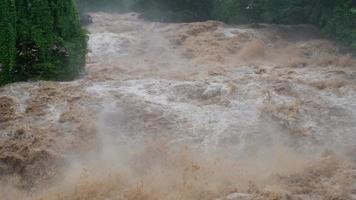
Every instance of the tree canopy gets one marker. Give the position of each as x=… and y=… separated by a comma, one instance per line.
x=40, y=39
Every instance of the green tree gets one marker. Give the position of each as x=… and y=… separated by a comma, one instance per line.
x=7, y=40
x=44, y=40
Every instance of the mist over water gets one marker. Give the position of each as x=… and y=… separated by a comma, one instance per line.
x=187, y=111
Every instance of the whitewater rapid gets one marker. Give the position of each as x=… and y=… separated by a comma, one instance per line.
x=187, y=111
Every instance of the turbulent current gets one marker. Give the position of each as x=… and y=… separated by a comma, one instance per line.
x=186, y=111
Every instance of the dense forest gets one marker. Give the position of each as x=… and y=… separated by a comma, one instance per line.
x=40, y=39
x=43, y=39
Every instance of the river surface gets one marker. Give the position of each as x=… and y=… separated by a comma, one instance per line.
x=198, y=110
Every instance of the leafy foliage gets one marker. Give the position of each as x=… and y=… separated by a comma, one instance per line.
x=7, y=39
x=335, y=18
x=42, y=40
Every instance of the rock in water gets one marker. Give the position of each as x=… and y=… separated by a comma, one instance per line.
x=86, y=19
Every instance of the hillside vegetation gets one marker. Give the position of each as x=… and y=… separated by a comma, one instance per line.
x=40, y=39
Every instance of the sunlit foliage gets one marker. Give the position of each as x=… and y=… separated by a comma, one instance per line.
x=41, y=39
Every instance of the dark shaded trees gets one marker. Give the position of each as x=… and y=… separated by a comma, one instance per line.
x=7, y=39
x=178, y=10
x=334, y=18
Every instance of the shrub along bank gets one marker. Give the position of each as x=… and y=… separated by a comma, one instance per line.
x=40, y=39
